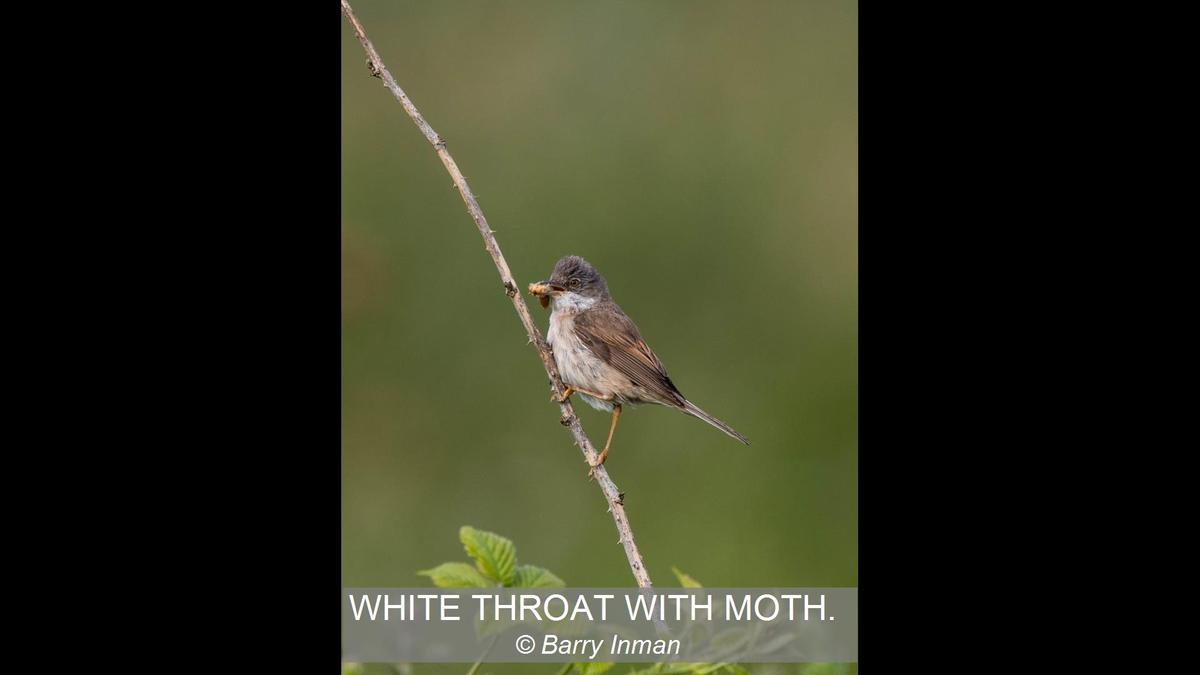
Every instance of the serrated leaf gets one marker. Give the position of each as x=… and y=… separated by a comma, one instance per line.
x=685, y=580
x=532, y=576
x=593, y=667
x=494, y=555
x=456, y=575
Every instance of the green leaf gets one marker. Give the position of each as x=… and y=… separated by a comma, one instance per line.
x=494, y=555
x=531, y=576
x=686, y=668
x=826, y=669
x=685, y=580
x=593, y=668
x=776, y=643
x=456, y=575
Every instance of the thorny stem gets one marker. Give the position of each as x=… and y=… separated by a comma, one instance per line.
x=479, y=661
x=616, y=505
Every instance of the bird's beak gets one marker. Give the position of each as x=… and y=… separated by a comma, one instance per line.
x=544, y=290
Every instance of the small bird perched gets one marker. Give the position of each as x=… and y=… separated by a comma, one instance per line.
x=600, y=352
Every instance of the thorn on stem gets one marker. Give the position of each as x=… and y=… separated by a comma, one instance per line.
x=565, y=420
x=509, y=289
x=375, y=71
x=621, y=498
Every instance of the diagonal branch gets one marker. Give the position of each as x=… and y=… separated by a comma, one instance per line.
x=616, y=504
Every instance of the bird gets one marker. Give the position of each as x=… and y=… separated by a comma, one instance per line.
x=600, y=352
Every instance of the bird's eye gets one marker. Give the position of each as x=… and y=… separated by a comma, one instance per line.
x=573, y=283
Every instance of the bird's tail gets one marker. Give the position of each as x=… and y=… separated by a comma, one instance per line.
x=695, y=411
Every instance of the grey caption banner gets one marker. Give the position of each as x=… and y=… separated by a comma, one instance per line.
x=556, y=625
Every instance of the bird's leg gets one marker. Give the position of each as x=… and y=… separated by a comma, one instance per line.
x=571, y=390
x=612, y=429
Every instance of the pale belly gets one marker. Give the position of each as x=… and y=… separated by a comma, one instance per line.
x=579, y=368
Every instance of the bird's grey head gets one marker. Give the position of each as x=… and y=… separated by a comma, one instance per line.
x=573, y=284
x=576, y=275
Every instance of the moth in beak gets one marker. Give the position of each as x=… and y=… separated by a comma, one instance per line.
x=544, y=290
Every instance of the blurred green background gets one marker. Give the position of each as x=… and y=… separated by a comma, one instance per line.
x=703, y=155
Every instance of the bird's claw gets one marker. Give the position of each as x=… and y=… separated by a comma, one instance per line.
x=599, y=463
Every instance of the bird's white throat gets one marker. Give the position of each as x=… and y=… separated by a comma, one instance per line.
x=572, y=303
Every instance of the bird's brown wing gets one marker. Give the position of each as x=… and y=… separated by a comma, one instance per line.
x=613, y=337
